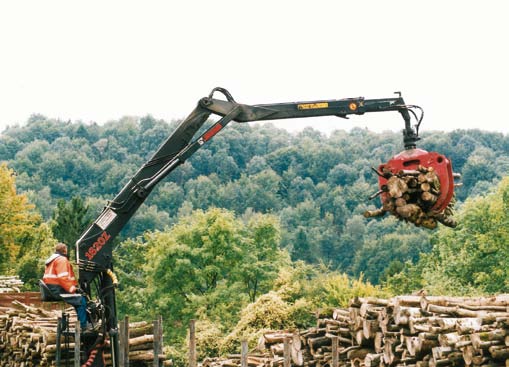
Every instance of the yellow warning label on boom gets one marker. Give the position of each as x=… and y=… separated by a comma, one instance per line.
x=312, y=106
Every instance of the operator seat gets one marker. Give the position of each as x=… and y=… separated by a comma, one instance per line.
x=48, y=296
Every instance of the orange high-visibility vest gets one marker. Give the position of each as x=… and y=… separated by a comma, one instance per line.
x=59, y=272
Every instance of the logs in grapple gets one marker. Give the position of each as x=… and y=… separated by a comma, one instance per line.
x=417, y=186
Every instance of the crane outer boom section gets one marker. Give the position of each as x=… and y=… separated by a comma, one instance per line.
x=94, y=249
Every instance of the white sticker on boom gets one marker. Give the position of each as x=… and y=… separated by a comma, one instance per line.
x=105, y=219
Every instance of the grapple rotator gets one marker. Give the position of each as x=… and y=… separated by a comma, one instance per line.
x=415, y=185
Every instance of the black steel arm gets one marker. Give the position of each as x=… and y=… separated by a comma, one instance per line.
x=340, y=108
x=95, y=256
x=94, y=248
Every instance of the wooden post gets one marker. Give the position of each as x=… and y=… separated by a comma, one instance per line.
x=121, y=342
x=335, y=354
x=125, y=348
x=243, y=353
x=123, y=338
x=77, y=344
x=192, y=344
x=158, y=339
x=59, y=334
x=287, y=355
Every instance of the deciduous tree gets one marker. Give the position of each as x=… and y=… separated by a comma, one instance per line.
x=23, y=239
x=210, y=259
x=17, y=219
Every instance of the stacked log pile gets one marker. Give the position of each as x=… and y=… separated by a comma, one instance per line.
x=410, y=195
x=28, y=338
x=141, y=345
x=402, y=331
x=26, y=335
x=10, y=284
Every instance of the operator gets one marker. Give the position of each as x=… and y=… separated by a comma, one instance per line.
x=60, y=279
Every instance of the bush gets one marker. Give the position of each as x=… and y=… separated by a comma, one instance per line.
x=268, y=312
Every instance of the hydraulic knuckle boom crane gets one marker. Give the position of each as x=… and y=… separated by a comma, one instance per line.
x=94, y=248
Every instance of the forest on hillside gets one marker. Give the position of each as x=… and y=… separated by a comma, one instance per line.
x=257, y=216
x=317, y=185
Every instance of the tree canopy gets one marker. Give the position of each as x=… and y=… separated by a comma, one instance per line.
x=317, y=185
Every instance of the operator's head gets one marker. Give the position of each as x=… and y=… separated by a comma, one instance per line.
x=61, y=248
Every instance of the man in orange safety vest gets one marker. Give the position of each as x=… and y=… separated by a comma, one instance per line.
x=60, y=279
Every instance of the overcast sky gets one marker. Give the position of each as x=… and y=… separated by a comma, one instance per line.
x=101, y=60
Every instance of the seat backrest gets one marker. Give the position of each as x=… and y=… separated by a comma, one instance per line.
x=46, y=294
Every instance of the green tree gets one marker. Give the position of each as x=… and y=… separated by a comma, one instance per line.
x=338, y=289
x=30, y=156
x=147, y=218
x=473, y=257
x=209, y=257
x=480, y=165
x=190, y=260
x=37, y=247
x=381, y=248
x=342, y=174
x=168, y=196
x=201, y=192
x=256, y=165
x=259, y=192
x=262, y=258
x=350, y=242
x=301, y=231
x=131, y=258
x=70, y=220
x=8, y=147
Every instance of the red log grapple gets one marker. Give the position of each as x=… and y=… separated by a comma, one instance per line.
x=413, y=159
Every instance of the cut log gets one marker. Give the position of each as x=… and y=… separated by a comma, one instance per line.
x=372, y=359
x=499, y=352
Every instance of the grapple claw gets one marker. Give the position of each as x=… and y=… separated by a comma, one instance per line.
x=418, y=186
